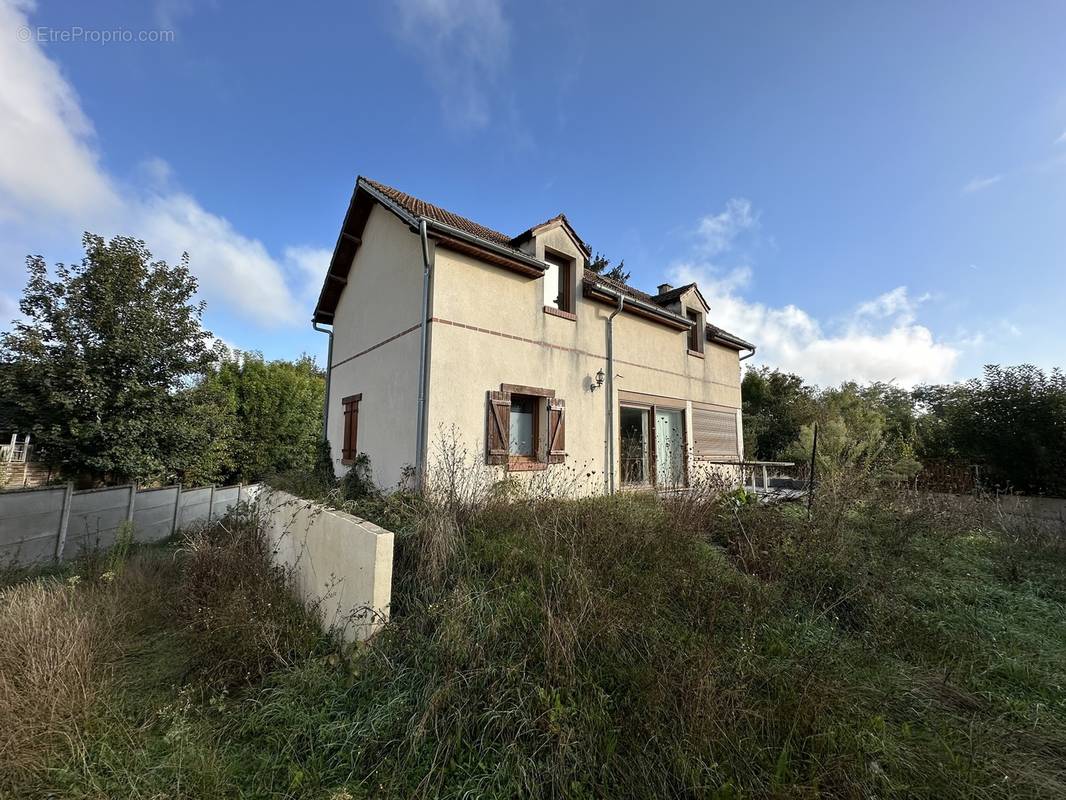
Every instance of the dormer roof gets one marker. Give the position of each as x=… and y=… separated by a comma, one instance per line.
x=559, y=220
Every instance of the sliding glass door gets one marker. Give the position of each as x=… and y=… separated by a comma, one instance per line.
x=669, y=448
x=652, y=446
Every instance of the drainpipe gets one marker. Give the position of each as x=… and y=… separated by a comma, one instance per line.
x=427, y=268
x=609, y=393
x=329, y=371
x=749, y=355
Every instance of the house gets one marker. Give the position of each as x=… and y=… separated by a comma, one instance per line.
x=442, y=327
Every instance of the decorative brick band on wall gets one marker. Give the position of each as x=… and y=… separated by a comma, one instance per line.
x=527, y=340
x=373, y=347
x=576, y=350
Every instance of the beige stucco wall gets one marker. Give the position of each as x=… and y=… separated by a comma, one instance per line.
x=342, y=565
x=519, y=343
x=381, y=300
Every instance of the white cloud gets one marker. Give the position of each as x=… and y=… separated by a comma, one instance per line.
x=52, y=183
x=463, y=45
x=979, y=184
x=310, y=263
x=718, y=231
x=878, y=339
x=896, y=304
x=47, y=160
x=1061, y=139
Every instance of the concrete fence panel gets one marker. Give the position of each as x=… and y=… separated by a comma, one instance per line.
x=95, y=517
x=29, y=521
x=195, y=507
x=42, y=524
x=340, y=563
x=153, y=513
x=223, y=499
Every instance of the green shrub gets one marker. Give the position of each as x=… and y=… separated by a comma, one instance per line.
x=239, y=615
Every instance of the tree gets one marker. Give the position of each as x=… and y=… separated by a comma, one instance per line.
x=95, y=371
x=601, y=265
x=776, y=406
x=1012, y=421
x=276, y=412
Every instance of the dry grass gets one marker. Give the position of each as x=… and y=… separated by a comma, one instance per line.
x=55, y=647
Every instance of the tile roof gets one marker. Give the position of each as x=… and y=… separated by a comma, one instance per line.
x=420, y=208
x=618, y=286
x=670, y=296
x=557, y=218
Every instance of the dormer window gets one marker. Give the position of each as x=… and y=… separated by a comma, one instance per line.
x=558, y=283
x=695, y=334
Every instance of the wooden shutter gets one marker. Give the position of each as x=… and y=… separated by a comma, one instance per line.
x=498, y=428
x=349, y=443
x=714, y=434
x=556, y=431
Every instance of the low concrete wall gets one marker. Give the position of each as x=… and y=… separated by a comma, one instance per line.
x=341, y=564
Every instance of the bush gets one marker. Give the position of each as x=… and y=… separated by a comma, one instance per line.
x=54, y=645
x=240, y=616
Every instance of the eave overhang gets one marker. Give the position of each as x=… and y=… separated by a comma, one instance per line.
x=609, y=296
x=445, y=236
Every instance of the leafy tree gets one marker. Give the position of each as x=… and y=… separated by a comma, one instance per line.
x=1012, y=421
x=276, y=412
x=96, y=369
x=601, y=265
x=776, y=406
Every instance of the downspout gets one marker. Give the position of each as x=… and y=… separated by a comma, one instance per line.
x=427, y=267
x=609, y=393
x=329, y=370
x=749, y=355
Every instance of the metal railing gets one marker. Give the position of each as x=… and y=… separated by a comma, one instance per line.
x=16, y=452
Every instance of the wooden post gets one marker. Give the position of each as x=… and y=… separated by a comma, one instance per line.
x=177, y=511
x=810, y=479
x=64, y=519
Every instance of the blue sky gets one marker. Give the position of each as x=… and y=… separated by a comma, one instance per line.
x=866, y=190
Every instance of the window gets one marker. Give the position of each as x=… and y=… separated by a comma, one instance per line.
x=695, y=335
x=525, y=427
x=524, y=419
x=351, y=428
x=558, y=287
x=652, y=446
x=633, y=425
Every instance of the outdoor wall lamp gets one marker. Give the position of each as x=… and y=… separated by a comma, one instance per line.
x=598, y=382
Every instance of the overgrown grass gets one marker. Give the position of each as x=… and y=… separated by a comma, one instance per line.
x=886, y=646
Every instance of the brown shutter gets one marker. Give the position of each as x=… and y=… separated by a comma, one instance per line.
x=556, y=431
x=349, y=442
x=714, y=434
x=346, y=441
x=498, y=428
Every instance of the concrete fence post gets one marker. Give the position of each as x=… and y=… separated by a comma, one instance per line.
x=177, y=511
x=239, y=487
x=132, y=502
x=64, y=520
x=211, y=503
